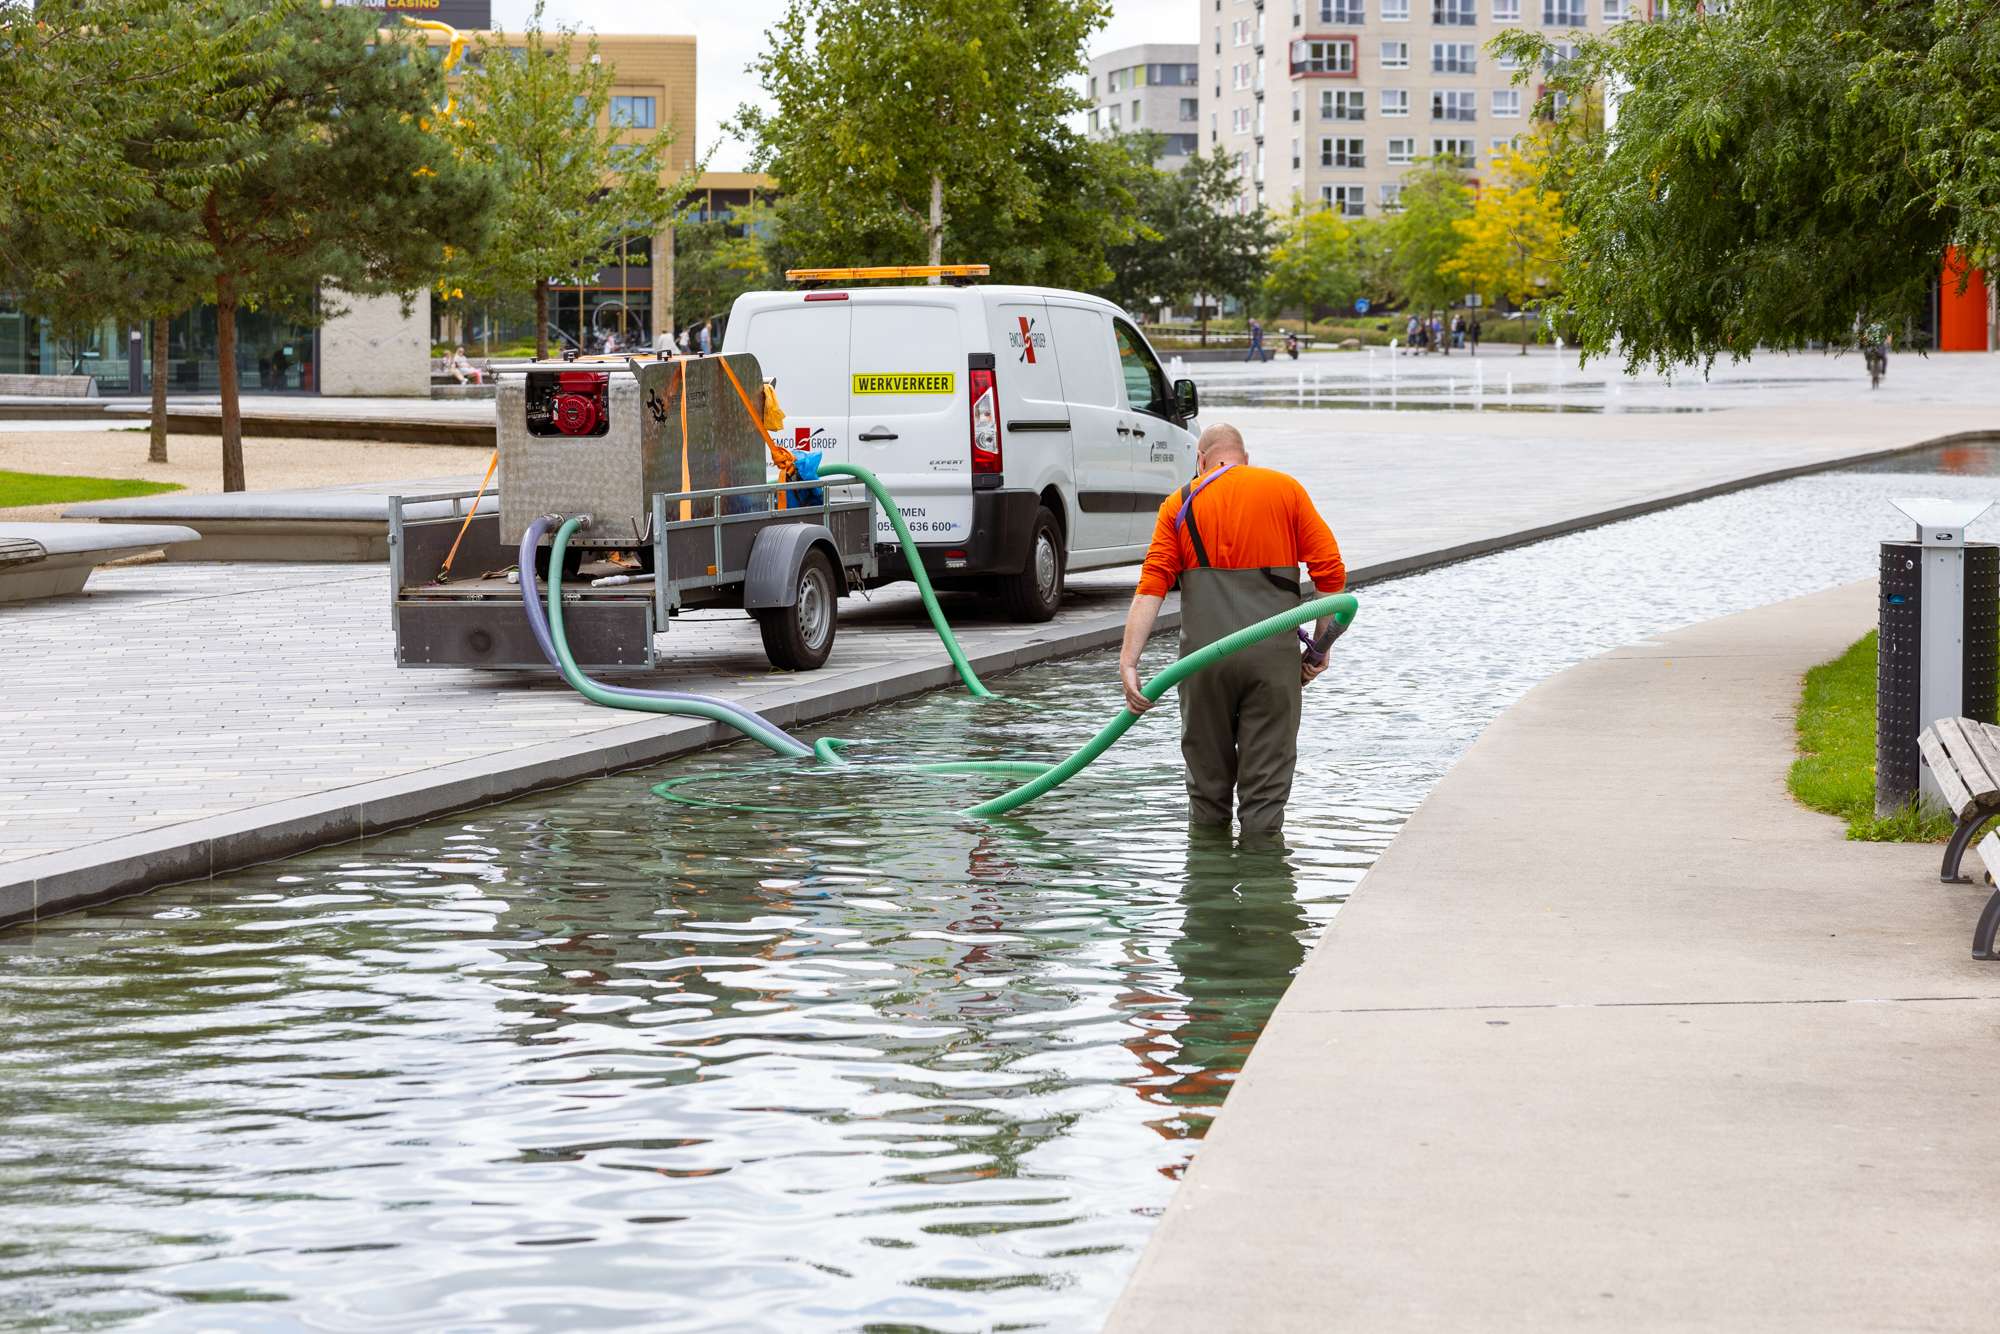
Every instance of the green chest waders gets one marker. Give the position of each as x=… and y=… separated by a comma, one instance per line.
x=1239, y=718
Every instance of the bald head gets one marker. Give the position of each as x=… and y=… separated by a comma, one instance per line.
x=1220, y=444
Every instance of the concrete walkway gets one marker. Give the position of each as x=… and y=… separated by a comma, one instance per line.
x=1616, y=1036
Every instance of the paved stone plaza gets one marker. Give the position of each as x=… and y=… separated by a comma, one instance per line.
x=175, y=717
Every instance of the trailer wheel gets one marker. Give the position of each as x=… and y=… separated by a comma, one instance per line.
x=798, y=638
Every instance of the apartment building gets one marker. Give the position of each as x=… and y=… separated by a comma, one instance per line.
x=1331, y=101
x=1152, y=87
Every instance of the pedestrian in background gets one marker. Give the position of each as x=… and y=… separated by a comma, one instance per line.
x=1472, y=332
x=1256, y=352
x=707, y=336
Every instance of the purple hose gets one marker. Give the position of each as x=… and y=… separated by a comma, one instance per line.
x=538, y=621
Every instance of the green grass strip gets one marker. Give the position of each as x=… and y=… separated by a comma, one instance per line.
x=1835, y=770
x=34, y=488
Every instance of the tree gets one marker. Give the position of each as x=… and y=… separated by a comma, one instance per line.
x=1423, y=238
x=149, y=92
x=1317, y=264
x=1512, y=245
x=345, y=189
x=1144, y=270
x=719, y=259
x=570, y=182
x=1220, y=251
x=1775, y=173
x=894, y=118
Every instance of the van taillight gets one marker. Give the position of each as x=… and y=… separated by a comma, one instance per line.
x=985, y=420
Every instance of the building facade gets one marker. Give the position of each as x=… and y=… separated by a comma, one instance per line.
x=1153, y=88
x=1330, y=102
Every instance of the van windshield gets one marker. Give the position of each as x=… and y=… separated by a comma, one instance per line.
x=1145, y=383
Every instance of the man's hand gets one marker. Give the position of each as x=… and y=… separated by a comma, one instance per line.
x=1308, y=669
x=1128, y=673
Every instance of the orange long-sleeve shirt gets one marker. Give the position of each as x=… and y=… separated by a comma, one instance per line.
x=1250, y=519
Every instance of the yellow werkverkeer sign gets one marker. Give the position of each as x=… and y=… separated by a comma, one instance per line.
x=906, y=382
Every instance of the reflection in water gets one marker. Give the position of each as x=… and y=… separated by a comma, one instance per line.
x=595, y=1060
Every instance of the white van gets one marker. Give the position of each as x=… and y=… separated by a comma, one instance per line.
x=1025, y=431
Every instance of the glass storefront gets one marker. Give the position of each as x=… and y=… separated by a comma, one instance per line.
x=273, y=355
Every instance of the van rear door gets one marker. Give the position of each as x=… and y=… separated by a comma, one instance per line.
x=800, y=343
x=908, y=410
x=1101, y=442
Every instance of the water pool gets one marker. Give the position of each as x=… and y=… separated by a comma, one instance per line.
x=592, y=1060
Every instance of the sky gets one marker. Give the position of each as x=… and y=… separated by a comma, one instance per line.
x=729, y=34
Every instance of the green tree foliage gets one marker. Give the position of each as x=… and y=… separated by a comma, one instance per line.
x=718, y=260
x=1188, y=241
x=1776, y=172
x=1316, y=265
x=1423, y=238
x=570, y=181
x=116, y=120
x=346, y=187
x=903, y=128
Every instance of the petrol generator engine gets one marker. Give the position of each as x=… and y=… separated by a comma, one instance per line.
x=568, y=403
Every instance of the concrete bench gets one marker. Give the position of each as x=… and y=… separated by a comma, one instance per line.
x=49, y=386
x=1963, y=755
x=46, y=560
x=340, y=523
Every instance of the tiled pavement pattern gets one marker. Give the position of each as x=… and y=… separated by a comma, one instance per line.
x=172, y=696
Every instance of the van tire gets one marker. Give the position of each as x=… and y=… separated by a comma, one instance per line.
x=798, y=638
x=1036, y=593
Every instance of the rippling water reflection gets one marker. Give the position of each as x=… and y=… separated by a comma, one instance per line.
x=595, y=1060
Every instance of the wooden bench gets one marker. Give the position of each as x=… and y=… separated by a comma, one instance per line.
x=1964, y=757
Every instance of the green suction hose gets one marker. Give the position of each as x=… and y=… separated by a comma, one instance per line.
x=749, y=724
x=1340, y=606
x=917, y=571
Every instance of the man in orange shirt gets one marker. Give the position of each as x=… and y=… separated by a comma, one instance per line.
x=1233, y=539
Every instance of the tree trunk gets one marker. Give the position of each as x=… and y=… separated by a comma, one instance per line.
x=232, y=405
x=541, y=319
x=935, y=232
x=158, y=452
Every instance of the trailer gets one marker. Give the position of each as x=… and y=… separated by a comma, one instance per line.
x=609, y=441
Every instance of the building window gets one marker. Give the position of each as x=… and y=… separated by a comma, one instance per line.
x=1297, y=161
x=1615, y=11
x=1560, y=54
x=632, y=113
x=1395, y=101
x=1239, y=32
x=1455, y=13
x=1190, y=110
x=1395, y=11
x=1392, y=197
x=1506, y=60
x=1460, y=151
x=1093, y=120
x=1093, y=87
x=1114, y=82
x=1330, y=56
x=1239, y=76
x=1402, y=152
x=1343, y=153
x=1346, y=104
x=1461, y=105
x=1135, y=111
x=1180, y=145
x=1511, y=144
x=1395, y=55
x=1239, y=120
x=1454, y=58
x=1506, y=103
x=1506, y=11
x=1112, y=111
x=1562, y=14
x=1350, y=201
x=1343, y=12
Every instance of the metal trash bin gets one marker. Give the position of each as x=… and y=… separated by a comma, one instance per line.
x=1939, y=618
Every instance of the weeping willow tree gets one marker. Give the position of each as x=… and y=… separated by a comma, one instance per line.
x=1773, y=174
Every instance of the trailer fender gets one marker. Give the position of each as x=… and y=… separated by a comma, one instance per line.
x=771, y=579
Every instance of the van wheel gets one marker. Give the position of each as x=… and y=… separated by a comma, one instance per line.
x=798, y=638
x=1036, y=592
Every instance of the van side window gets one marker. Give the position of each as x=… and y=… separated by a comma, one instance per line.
x=1145, y=383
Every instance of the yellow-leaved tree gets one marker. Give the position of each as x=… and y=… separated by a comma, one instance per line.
x=1511, y=246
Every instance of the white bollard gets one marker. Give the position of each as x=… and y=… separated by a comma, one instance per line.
x=1510, y=384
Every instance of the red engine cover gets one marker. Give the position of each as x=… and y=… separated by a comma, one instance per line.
x=575, y=414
